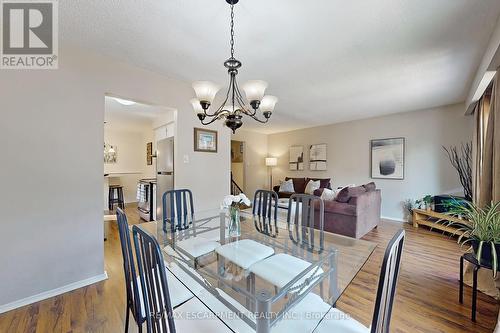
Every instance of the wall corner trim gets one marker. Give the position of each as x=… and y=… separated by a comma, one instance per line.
x=53, y=292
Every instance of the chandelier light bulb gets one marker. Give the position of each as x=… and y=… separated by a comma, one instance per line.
x=255, y=89
x=205, y=90
x=268, y=103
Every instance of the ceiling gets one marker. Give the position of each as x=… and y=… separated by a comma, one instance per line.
x=135, y=118
x=327, y=61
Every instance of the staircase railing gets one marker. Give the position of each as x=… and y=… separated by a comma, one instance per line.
x=235, y=188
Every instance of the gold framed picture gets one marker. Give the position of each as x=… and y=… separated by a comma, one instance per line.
x=149, y=153
x=205, y=140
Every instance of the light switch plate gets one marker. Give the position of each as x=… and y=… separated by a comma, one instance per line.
x=186, y=159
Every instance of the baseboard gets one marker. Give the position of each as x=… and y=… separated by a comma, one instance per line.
x=396, y=219
x=53, y=292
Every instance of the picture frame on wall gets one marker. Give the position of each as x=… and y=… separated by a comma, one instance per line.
x=149, y=153
x=387, y=158
x=317, y=157
x=296, y=161
x=205, y=140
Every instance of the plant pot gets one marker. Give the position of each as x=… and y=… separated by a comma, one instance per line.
x=486, y=257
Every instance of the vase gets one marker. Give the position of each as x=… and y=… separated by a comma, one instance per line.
x=234, y=222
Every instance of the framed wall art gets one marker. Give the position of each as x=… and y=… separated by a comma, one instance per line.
x=205, y=140
x=387, y=158
x=317, y=157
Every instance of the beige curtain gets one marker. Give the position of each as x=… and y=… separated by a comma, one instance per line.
x=489, y=182
x=481, y=113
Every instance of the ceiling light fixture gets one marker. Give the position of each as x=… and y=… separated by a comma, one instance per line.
x=234, y=106
x=124, y=101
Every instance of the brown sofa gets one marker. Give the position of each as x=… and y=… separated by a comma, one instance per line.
x=299, y=185
x=354, y=212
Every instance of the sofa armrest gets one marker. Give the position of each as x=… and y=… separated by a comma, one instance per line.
x=276, y=188
x=367, y=211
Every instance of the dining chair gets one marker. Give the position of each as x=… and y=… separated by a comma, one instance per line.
x=282, y=268
x=340, y=322
x=160, y=316
x=265, y=206
x=135, y=304
x=177, y=207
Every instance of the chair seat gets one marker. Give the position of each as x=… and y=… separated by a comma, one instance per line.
x=282, y=268
x=195, y=246
x=245, y=253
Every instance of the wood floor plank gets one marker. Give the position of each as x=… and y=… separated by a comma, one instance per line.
x=426, y=300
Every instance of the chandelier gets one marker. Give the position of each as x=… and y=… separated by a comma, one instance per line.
x=234, y=105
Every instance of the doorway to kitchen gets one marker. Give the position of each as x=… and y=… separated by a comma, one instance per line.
x=133, y=134
x=237, y=167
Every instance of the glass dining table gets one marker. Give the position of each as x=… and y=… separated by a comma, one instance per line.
x=228, y=274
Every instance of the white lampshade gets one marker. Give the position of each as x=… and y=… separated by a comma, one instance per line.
x=254, y=89
x=196, y=105
x=124, y=101
x=271, y=161
x=268, y=103
x=205, y=90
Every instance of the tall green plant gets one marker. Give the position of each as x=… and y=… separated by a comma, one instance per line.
x=483, y=226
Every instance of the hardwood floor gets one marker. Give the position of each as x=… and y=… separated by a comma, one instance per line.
x=426, y=300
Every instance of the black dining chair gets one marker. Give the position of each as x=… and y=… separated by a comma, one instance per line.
x=265, y=207
x=154, y=283
x=132, y=288
x=282, y=268
x=178, y=208
x=301, y=220
x=383, y=302
x=155, y=288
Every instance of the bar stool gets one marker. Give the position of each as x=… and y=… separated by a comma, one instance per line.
x=118, y=198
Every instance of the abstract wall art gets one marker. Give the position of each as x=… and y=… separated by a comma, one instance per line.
x=387, y=158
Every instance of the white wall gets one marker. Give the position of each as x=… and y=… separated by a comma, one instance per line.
x=255, y=152
x=131, y=158
x=52, y=167
x=427, y=169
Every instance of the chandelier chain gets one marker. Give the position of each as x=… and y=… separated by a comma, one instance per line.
x=232, y=31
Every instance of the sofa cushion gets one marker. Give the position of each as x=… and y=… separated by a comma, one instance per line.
x=311, y=186
x=340, y=208
x=370, y=187
x=287, y=186
x=328, y=195
x=347, y=192
x=299, y=184
x=323, y=182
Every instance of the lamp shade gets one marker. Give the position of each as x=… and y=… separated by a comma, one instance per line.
x=205, y=90
x=255, y=89
x=268, y=103
x=271, y=161
x=196, y=105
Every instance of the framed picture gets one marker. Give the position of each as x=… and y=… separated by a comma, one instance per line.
x=110, y=154
x=205, y=140
x=317, y=157
x=149, y=153
x=387, y=158
x=296, y=161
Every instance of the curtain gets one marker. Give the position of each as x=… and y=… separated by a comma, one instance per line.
x=489, y=181
x=481, y=112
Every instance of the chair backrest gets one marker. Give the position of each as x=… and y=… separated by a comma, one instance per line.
x=265, y=206
x=133, y=297
x=301, y=220
x=178, y=208
x=154, y=285
x=387, y=284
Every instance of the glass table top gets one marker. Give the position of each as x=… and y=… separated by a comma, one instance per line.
x=265, y=279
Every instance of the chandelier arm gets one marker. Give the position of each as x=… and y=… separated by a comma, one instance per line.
x=214, y=118
x=219, y=109
x=260, y=121
x=241, y=100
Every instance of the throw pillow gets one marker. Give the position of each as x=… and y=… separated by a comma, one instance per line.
x=287, y=186
x=311, y=187
x=343, y=194
x=328, y=195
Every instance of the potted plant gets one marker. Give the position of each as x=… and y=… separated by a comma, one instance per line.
x=482, y=231
x=234, y=203
x=410, y=205
x=427, y=200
